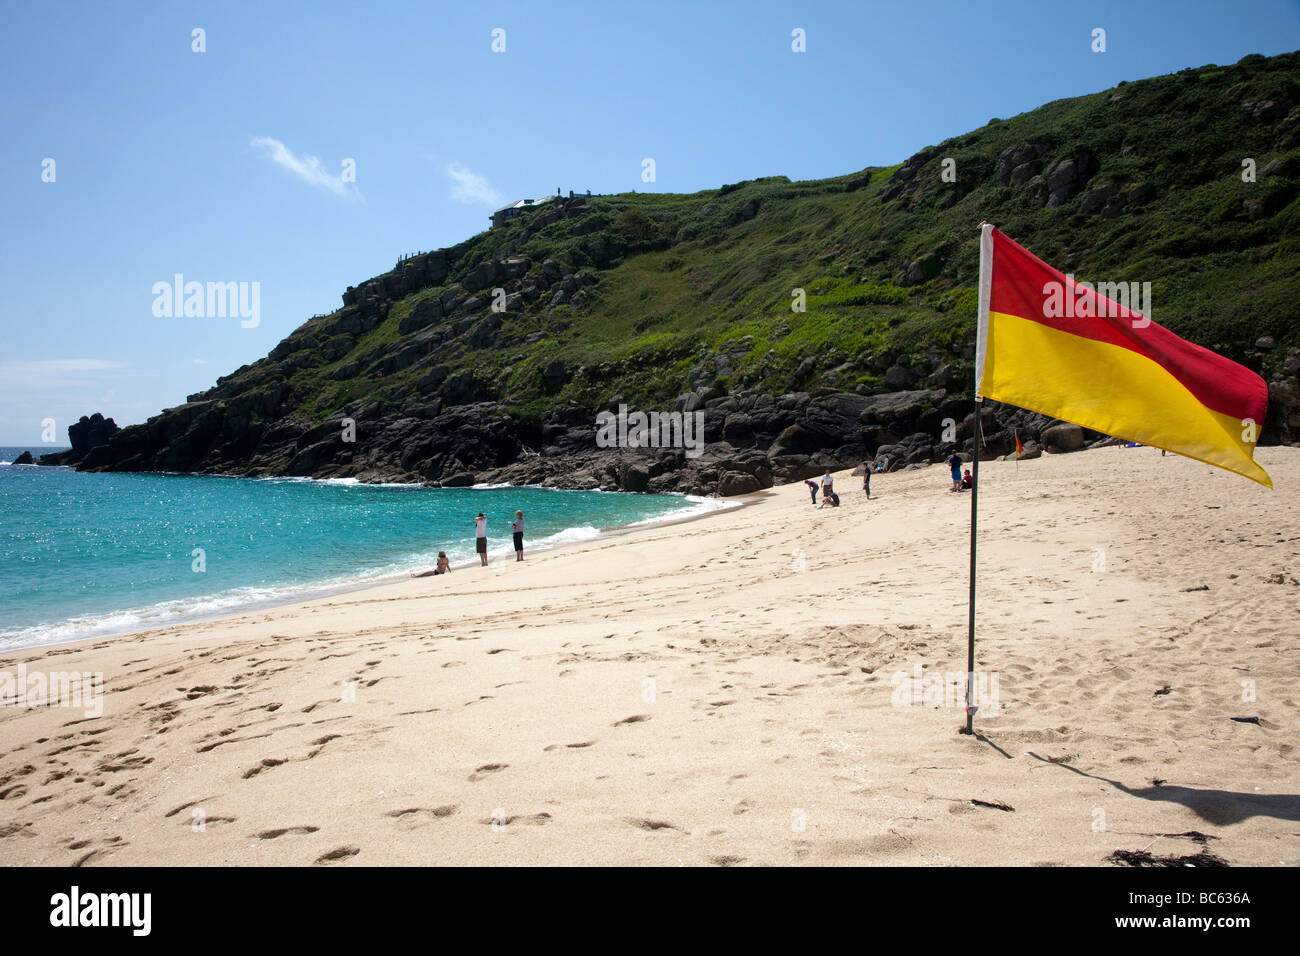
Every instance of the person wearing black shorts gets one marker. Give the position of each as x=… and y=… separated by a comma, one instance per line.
x=517, y=528
x=480, y=538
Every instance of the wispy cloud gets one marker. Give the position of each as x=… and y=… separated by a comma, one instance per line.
x=53, y=373
x=305, y=167
x=471, y=188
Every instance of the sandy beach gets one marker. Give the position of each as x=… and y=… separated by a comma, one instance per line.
x=734, y=690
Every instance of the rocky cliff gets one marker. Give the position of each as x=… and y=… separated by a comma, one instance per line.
x=813, y=324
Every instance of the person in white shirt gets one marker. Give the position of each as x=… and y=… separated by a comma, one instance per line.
x=480, y=537
x=517, y=529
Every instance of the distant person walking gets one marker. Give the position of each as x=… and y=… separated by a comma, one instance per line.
x=866, y=478
x=517, y=529
x=954, y=462
x=480, y=538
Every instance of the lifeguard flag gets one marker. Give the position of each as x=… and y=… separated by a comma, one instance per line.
x=1058, y=347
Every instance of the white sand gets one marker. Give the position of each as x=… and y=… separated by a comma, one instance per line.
x=722, y=692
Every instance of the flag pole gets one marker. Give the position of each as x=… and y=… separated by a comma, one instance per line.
x=974, y=514
x=981, y=344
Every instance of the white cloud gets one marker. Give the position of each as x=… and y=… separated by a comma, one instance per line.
x=471, y=188
x=305, y=167
x=200, y=361
x=52, y=373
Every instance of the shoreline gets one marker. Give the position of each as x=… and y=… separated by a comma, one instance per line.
x=782, y=687
x=324, y=591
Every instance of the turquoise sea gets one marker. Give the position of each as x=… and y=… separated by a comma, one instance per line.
x=85, y=555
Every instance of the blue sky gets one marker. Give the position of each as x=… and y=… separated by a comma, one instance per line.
x=172, y=161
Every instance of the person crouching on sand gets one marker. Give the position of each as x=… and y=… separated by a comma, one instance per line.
x=444, y=567
x=517, y=529
x=480, y=538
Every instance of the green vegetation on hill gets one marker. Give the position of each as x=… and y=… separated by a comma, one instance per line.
x=679, y=292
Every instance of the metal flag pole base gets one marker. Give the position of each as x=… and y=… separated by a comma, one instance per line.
x=971, y=707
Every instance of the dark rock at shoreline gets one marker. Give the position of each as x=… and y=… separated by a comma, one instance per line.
x=750, y=441
x=86, y=435
x=24, y=459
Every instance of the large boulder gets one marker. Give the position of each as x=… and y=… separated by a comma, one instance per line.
x=800, y=440
x=1067, y=176
x=905, y=406
x=1062, y=437
x=459, y=388
x=1016, y=163
x=737, y=483
x=87, y=433
x=481, y=276
x=426, y=312
x=634, y=478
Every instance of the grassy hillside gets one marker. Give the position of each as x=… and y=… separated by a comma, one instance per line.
x=679, y=292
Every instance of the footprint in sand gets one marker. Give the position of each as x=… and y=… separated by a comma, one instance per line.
x=266, y=763
x=275, y=834
x=535, y=819
x=413, y=814
x=634, y=719
x=645, y=823
x=487, y=768
x=342, y=853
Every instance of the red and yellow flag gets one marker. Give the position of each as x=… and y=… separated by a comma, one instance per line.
x=1063, y=348
x=1020, y=447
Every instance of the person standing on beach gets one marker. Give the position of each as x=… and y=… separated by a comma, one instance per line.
x=866, y=478
x=517, y=528
x=480, y=537
x=954, y=462
x=812, y=488
x=828, y=485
